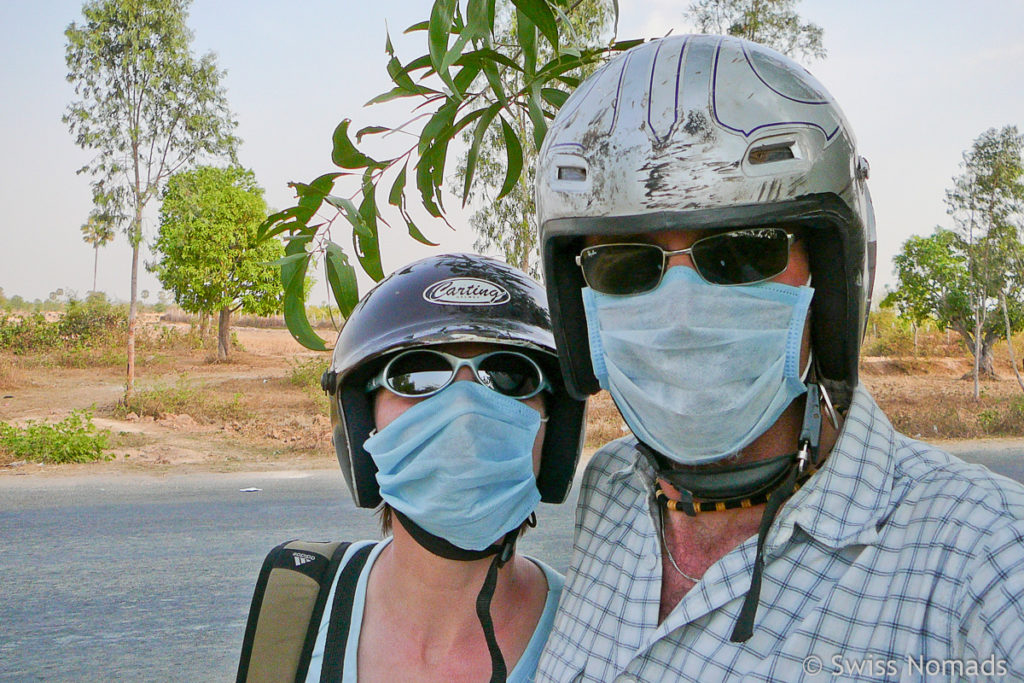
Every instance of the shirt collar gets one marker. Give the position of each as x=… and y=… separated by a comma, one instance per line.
x=845, y=501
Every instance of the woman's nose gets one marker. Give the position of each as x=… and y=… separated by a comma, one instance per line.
x=464, y=373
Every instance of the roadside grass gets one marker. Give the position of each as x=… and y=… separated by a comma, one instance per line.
x=183, y=397
x=73, y=439
x=305, y=374
x=12, y=376
x=604, y=423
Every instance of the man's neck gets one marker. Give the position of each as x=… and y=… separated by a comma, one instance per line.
x=696, y=543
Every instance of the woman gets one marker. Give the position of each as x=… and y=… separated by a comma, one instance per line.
x=449, y=413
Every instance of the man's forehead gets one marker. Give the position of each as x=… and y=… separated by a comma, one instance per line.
x=661, y=237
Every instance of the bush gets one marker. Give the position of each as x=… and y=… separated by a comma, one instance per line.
x=92, y=320
x=29, y=333
x=1005, y=419
x=73, y=439
x=201, y=405
x=306, y=374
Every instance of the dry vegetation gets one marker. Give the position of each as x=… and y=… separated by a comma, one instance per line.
x=264, y=408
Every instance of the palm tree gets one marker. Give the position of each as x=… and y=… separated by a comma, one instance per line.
x=97, y=231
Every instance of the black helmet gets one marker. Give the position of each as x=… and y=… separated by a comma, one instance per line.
x=708, y=132
x=442, y=300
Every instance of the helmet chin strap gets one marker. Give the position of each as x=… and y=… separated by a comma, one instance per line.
x=502, y=554
x=771, y=481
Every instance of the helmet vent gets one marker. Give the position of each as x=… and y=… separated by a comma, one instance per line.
x=572, y=173
x=767, y=154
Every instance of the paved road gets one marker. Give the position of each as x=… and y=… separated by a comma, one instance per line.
x=137, y=578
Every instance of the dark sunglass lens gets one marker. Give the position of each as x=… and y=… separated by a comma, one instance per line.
x=418, y=372
x=509, y=374
x=622, y=268
x=736, y=258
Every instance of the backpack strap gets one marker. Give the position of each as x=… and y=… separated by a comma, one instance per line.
x=341, y=616
x=286, y=609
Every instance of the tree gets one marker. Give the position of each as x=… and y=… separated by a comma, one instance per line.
x=98, y=231
x=447, y=98
x=769, y=22
x=147, y=108
x=209, y=254
x=509, y=225
x=933, y=283
x=986, y=204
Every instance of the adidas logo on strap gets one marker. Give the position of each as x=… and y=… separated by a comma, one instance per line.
x=302, y=558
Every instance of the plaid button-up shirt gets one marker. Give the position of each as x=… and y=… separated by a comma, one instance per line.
x=895, y=562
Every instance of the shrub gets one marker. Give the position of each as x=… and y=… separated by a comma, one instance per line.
x=91, y=321
x=73, y=439
x=1005, y=419
x=29, y=333
x=200, y=404
x=306, y=374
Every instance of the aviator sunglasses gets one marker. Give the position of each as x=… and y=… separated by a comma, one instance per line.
x=738, y=257
x=419, y=373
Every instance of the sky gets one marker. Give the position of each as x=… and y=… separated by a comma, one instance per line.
x=919, y=82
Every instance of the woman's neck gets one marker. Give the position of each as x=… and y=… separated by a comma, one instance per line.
x=423, y=607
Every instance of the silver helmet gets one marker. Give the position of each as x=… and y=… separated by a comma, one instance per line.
x=708, y=132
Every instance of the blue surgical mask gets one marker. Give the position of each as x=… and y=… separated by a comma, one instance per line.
x=460, y=464
x=697, y=370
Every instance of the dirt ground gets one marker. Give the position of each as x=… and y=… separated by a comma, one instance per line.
x=282, y=425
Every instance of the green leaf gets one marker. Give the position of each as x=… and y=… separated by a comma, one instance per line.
x=352, y=214
x=341, y=277
x=325, y=183
x=293, y=278
x=397, y=94
x=441, y=120
x=366, y=242
x=540, y=126
x=542, y=17
x=425, y=182
x=345, y=153
x=490, y=70
x=397, y=198
x=554, y=96
x=284, y=260
x=421, y=62
x=309, y=204
x=419, y=26
x=474, y=149
x=441, y=16
x=485, y=56
x=622, y=45
x=295, y=311
x=415, y=233
x=514, y=167
x=464, y=79
x=527, y=41
x=279, y=229
x=479, y=19
x=370, y=130
x=397, y=195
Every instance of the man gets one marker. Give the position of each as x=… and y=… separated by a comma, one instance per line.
x=708, y=244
